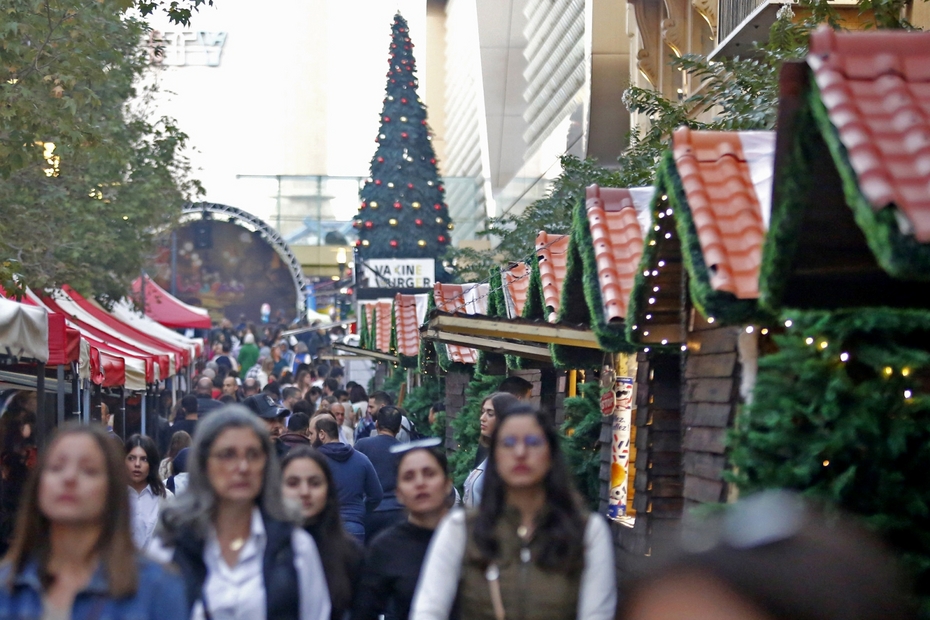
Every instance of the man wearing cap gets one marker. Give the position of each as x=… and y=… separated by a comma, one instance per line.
x=264, y=406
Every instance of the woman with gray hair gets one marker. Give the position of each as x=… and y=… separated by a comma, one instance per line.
x=239, y=552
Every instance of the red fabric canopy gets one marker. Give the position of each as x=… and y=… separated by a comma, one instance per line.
x=113, y=344
x=181, y=355
x=169, y=310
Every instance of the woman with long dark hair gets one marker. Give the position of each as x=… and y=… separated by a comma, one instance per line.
x=72, y=555
x=395, y=556
x=308, y=483
x=239, y=553
x=531, y=550
x=146, y=489
x=492, y=408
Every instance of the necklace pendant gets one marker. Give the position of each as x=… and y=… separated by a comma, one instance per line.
x=236, y=544
x=525, y=555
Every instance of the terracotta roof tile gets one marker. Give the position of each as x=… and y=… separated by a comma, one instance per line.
x=383, y=333
x=724, y=207
x=455, y=298
x=618, y=245
x=552, y=252
x=407, y=325
x=516, y=280
x=876, y=88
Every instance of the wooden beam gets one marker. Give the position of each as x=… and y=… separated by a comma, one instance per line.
x=491, y=345
x=375, y=355
x=528, y=331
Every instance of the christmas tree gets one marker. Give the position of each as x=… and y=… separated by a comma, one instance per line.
x=402, y=213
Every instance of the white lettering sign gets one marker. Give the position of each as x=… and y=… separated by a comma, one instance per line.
x=398, y=273
x=187, y=49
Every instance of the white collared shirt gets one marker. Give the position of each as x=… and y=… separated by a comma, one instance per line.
x=143, y=508
x=238, y=592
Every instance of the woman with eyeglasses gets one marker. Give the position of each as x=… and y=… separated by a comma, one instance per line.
x=491, y=409
x=531, y=549
x=240, y=555
x=308, y=483
x=395, y=556
x=72, y=555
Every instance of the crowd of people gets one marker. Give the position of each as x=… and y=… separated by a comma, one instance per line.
x=291, y=494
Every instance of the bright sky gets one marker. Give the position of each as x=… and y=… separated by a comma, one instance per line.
x=297, y=91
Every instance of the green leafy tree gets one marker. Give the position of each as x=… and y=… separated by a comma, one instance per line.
x=516, y=234
x=88, y=178
x=403, y=213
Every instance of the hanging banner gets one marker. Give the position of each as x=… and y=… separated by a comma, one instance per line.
x=620, y=447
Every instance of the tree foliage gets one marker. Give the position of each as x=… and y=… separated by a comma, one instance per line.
x=581, y=432
x=516, y=234
x=88, y=177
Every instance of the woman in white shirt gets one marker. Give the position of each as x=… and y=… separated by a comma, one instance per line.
x=146, y=489
x=531, y=549
x=239, y=553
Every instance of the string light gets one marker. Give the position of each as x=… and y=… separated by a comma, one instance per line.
x=661, y=263
x=684, y=347
x=749, y=329
x=888, y=371
x=905, y=372
x=710, y=320
x=664, y=341
x=765, y=330
x=844, y=356
x=907, y=393
x=789, y=323
x=823, y=344
x=826, y=463
x=809, y=340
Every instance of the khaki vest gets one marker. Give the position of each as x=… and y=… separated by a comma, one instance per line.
x=528, y=591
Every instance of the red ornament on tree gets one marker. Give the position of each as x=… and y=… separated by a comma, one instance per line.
x=369, y=224
x=437, y=206
x=358, y=242
x=397, y=205
x=387, y=119
x=418, y=222
x=403, y=134
x=409, y=185
x=364, y=204
x=432, y=161
x=393, y=243
x=377, y=181
x=441, y=238
x=423, y=122
x=403, y=100
x=380, y=160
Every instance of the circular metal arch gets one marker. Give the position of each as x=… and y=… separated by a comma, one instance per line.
x=224, y=213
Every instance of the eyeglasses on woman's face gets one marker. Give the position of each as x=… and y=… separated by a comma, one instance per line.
x=231, y=457
x=510, y=442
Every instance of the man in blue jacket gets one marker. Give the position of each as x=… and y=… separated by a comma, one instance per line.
x=357, y=483
x=378, y=451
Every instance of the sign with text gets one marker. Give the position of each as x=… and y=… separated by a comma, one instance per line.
x=398, y=273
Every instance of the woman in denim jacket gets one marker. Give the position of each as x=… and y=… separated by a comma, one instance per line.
x=72, y=555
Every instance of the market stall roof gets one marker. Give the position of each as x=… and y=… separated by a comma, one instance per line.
x=157, y=361
x=23, y=330
x=851, y=223
x=551, y=252
x=468, y=299
x=124, y=311
x=603, y=258
x=384, y=314
x=710, y=214
x=409, y=314
x=168, y=309
x=515, y=280
x=179, y=356
x=139, y=366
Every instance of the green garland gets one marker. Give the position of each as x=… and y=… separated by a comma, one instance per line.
x=580, y=440
x=466, y=426
x=841, y=412
x=497, y=308
x=364, y=335
x=419, y=400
